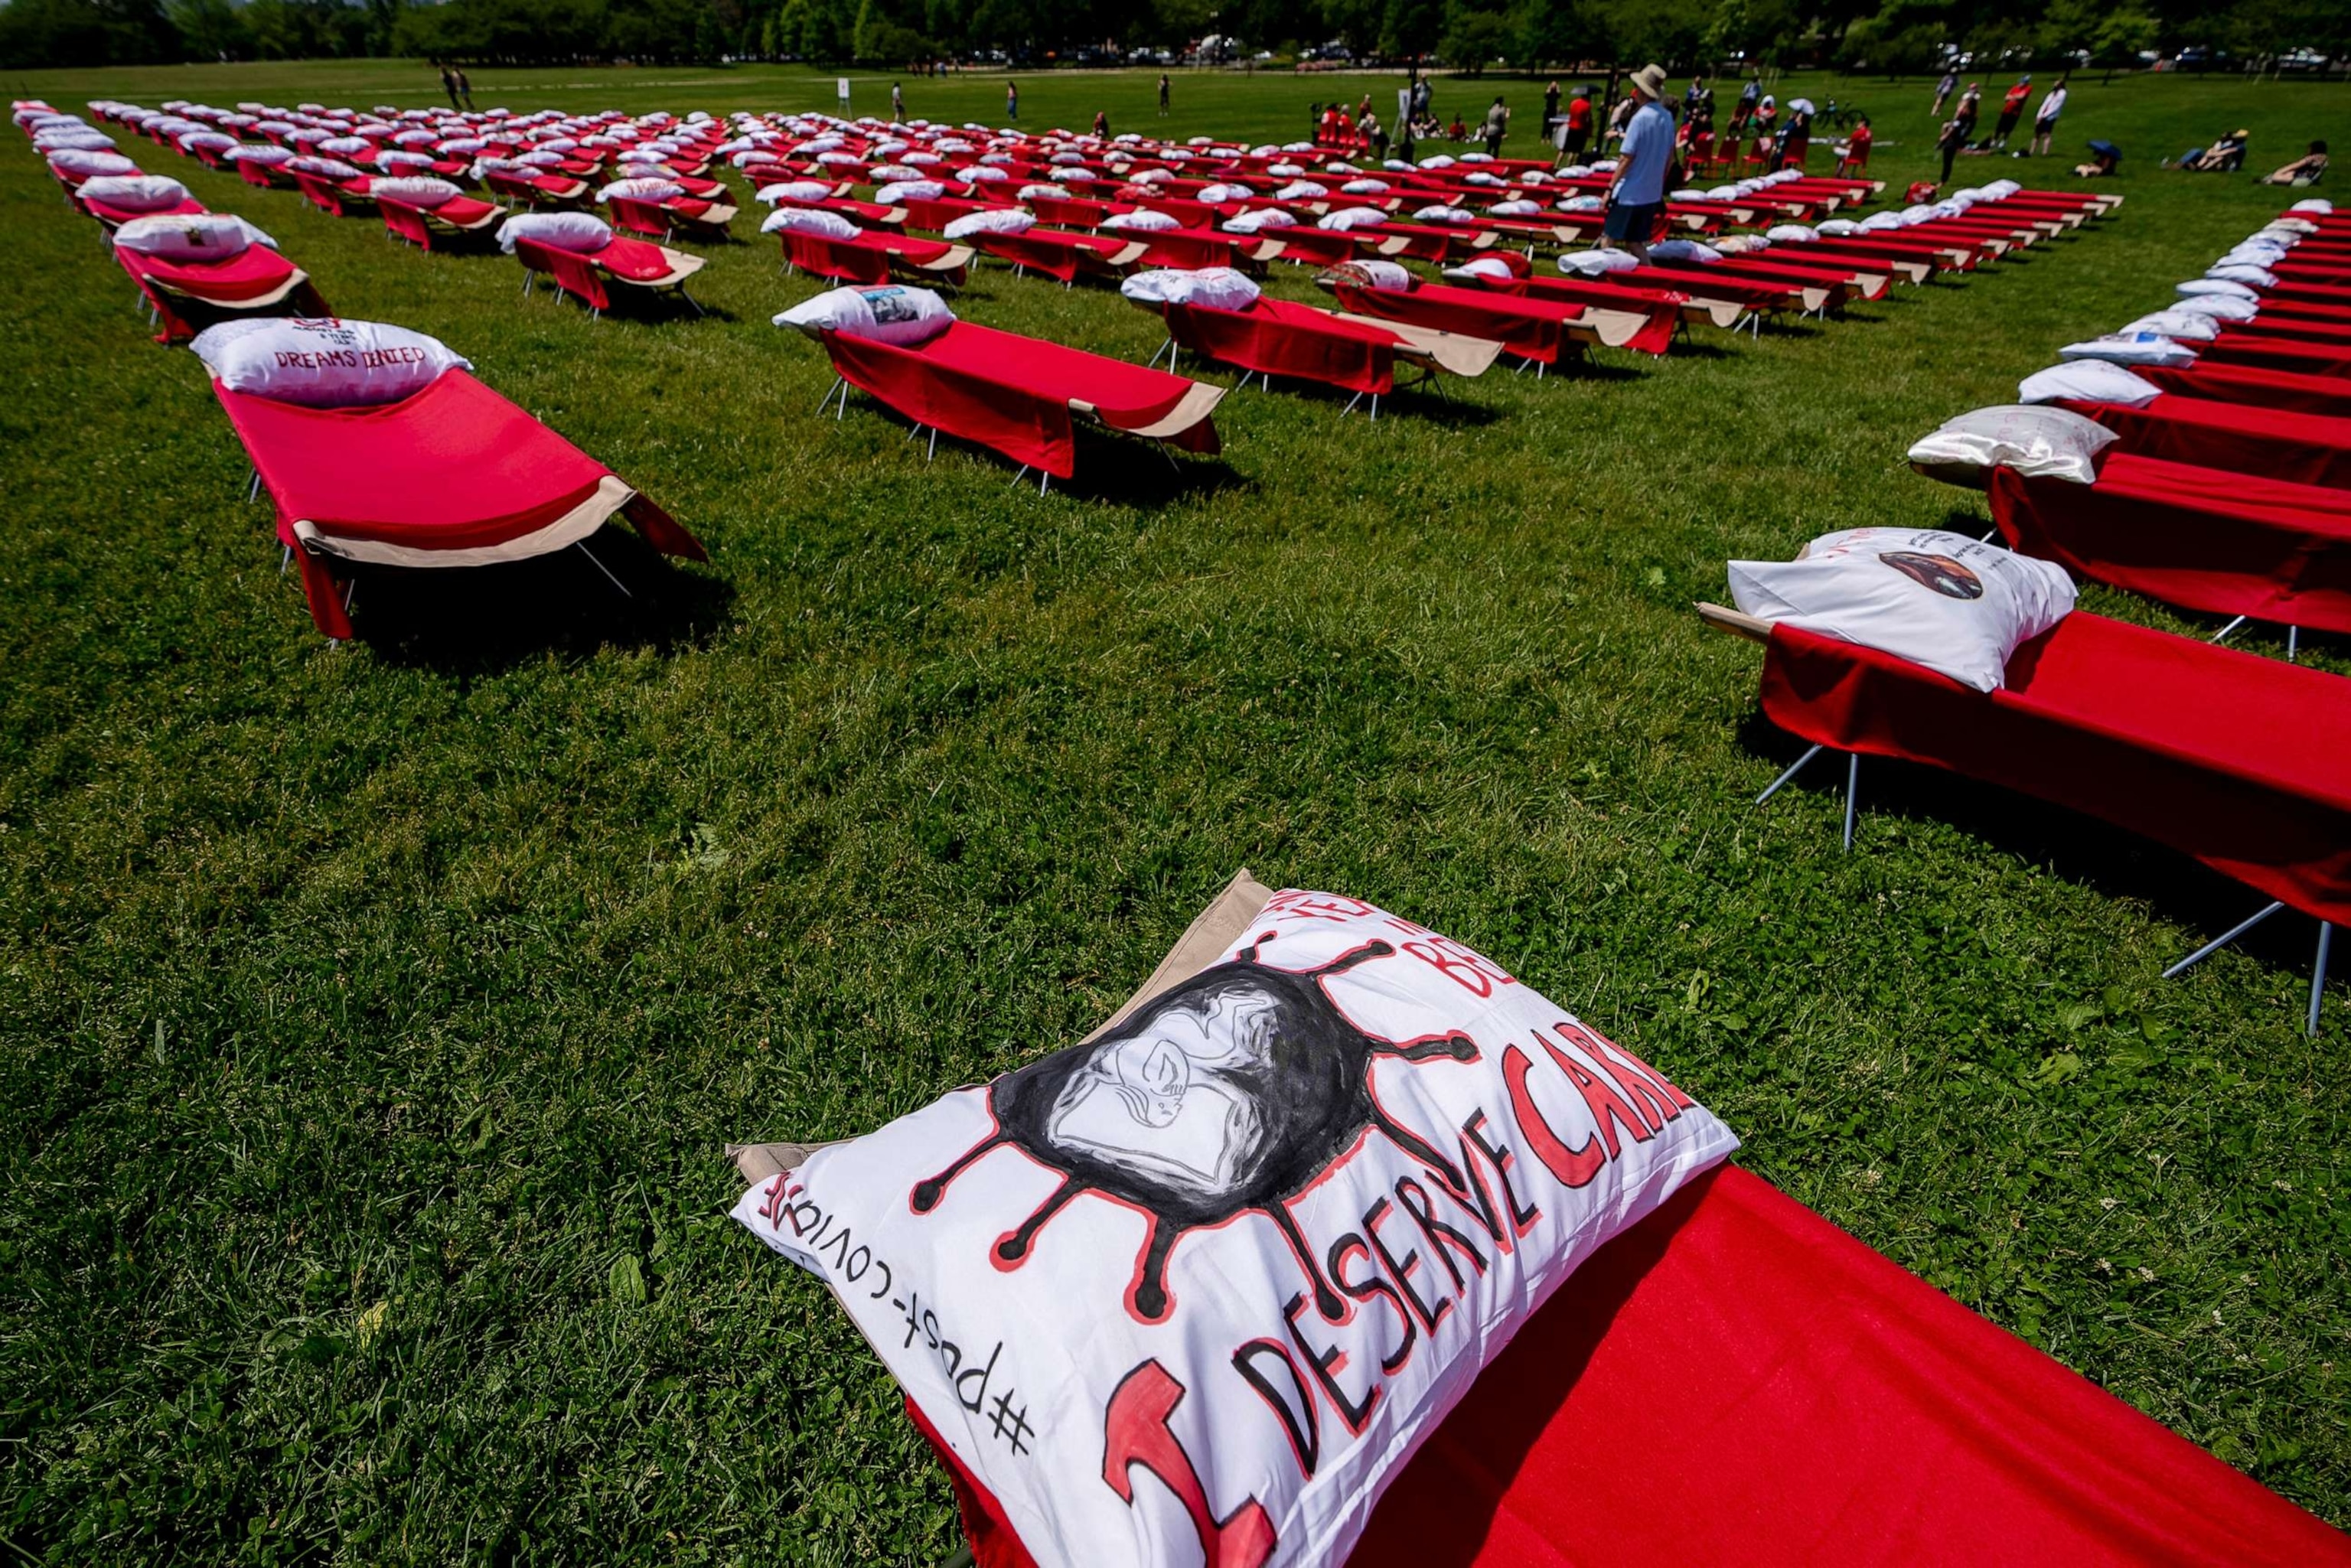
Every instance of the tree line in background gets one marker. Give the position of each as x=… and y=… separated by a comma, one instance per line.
x=1877, y=35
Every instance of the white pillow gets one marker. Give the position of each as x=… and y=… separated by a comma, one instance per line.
x=324, y=168
x=90, y=166
x=2055, y=443
x=1363, y=187
x=811, y=220
x=2185, y=324
x=1218, y=287
x=2314, y=205
x=191, y=236
x=1519, y=209
x=1483, y=267
x=1836, y=228
x=415, y=191
x=2132, y=349
x=1882, y=221
x=135, y=192
x=1301, y=190
x=2220, y=307
x=2254, y=277
x=1006, y=221
x=582, y=233
x=1146, y=221
x=1580, y=204
x=1685, y=250
x=2213, y=285
x=794, y=191
x=1216, y=194
x=2087, y=381
x=1236, y=1257
x=395, y=162
x=323, y=362
x=1047, y=192
x=645, y=189
x=1791, y=234
x=897, y=191
x=1595, y=263
x=1261, y=218
x=269, y=157
x=1955, y=605
x=1375, y=274
x=889, y=314
x=1351, y=218
x=1440, y=213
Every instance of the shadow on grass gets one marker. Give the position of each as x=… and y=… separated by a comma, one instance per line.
x=2062, y=842
x=474, y=620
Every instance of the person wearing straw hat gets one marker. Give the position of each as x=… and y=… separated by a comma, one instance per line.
x=1637, y=192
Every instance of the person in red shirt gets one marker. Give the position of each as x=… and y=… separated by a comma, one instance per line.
x=1346, y=129
x=1578, y=134
x=1330, y=129
x=2011, y=110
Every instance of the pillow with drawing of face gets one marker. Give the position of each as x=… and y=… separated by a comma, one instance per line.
x=1197, y=1286
x=1953, y=604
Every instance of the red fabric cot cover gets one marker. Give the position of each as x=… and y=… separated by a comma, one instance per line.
x=2228, y=758
x=2292, y=390
x=2309, y=448
x=2206, y=538
x=1736, y=1381
x=1281, y=338
x=256, y=273
x=2279, y=353
x=454, y=468
x=1013, y=394
x=1530, y=329
x=1056, y=255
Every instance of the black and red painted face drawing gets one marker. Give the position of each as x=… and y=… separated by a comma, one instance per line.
x=1950, y=578
x=1232, y=1092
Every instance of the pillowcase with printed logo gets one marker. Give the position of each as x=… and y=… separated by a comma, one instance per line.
x=1196, y=1287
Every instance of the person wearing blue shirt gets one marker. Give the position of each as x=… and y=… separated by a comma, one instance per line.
x=1636, y=194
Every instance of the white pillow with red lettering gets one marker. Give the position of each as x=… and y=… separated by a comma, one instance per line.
x=323, y=362
x=191, y=236
x=1197, y=1288
x=1956, y=605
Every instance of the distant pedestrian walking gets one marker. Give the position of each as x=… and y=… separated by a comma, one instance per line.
x=1012, y=101
x=897, y=101
x=449, y=86
x=1943, y=90
x=2011, y=110
x=1163, y=94
x=2044, y=124
x=1498, y=125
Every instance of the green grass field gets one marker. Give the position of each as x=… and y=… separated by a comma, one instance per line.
x=373, y=1016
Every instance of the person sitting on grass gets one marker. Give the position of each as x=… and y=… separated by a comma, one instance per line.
x=2104, y=156
x=2225, y=155
x=2304, y=170
x=1457, y=131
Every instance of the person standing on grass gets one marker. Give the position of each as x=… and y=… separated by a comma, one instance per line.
x=897, y=102
x=1498, y=125
x=1943, y=90
x=1637, y=192
x=1575, y=131
x=1551, y=109
x=2044, y=124
x=2011, y=110
x=1971, y=107
x=449, y=86
x=1101, y=123
x=1954, y=137
x=1747, y=97
x=466, y=89
x=1163, y=94
x=1011, y=100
